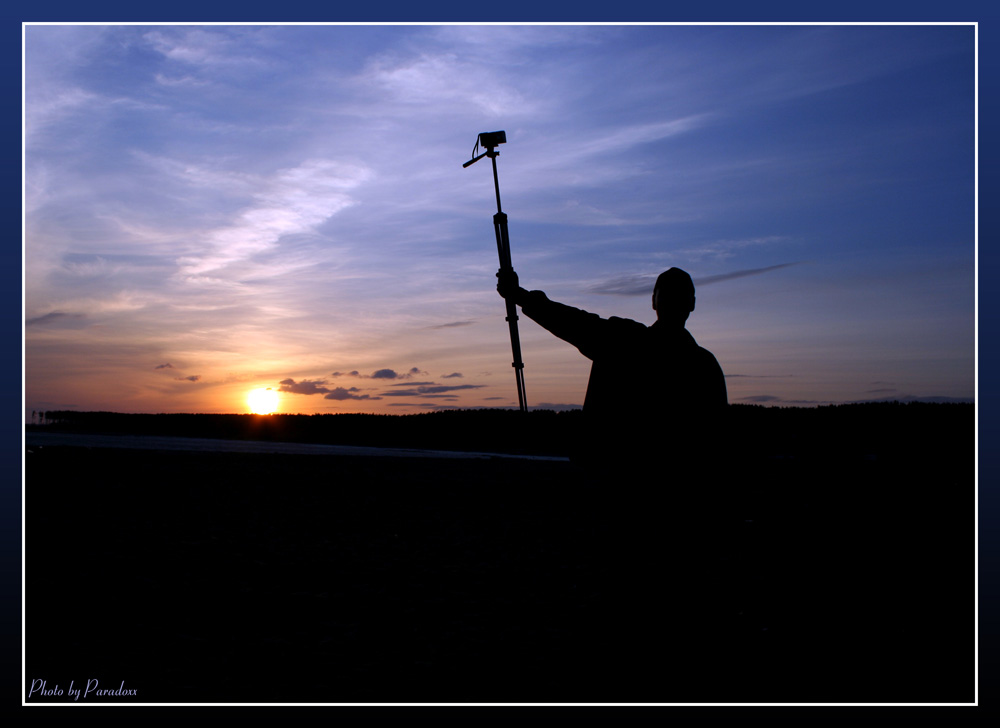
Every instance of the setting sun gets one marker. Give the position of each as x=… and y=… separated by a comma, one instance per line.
x=263, y=401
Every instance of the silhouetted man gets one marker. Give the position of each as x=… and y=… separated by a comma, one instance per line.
x=655, y=398
x=652, y=451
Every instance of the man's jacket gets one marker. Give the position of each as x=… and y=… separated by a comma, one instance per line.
x=650, y=386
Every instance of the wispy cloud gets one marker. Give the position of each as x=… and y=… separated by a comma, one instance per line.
x=384, y=374
x=642, y=284
x=49, y=318
x=761, y=398
x=204, y=47
x=635, y=135
x=340, y=394
x=758, y=376
x=305, y=386
x=429, y=83
x=294, y=201
x=722, y=249
x=706, y=280
x=431, y=390
x=452, y=325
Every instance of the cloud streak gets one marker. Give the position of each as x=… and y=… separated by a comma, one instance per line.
x=452, y=325
x=305, y=386
x=386, y=374
x=733, y=275
x=642, y=285
x=53, y=317
x=341, y=394
x=295, y=201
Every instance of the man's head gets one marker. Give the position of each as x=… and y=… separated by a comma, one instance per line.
x=673, y=296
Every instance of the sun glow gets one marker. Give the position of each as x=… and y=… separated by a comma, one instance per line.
x=262, y=401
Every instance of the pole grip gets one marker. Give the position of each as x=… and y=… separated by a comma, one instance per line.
x=503, y=240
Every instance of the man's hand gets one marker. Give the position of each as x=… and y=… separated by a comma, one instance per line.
x=508, y=285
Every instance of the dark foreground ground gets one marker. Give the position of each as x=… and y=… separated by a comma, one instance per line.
x=200, y=577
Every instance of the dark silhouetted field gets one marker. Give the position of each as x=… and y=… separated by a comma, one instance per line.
x=827, y=556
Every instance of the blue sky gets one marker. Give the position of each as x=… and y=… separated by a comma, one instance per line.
x=213, y=209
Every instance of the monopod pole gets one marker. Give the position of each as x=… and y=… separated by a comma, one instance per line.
x=503, y=249
x=490, y=141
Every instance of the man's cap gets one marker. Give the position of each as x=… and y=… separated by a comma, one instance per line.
x=676, y=281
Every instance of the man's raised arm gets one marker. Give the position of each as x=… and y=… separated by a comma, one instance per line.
x=587, y=331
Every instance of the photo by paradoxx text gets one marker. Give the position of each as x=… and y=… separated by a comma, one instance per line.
x=40, y=687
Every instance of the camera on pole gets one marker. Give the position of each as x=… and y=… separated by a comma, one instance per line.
x=490, y=140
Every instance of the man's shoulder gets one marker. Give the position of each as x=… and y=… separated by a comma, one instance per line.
x=706, y=354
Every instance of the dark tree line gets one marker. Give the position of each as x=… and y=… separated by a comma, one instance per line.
x=884, y=430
